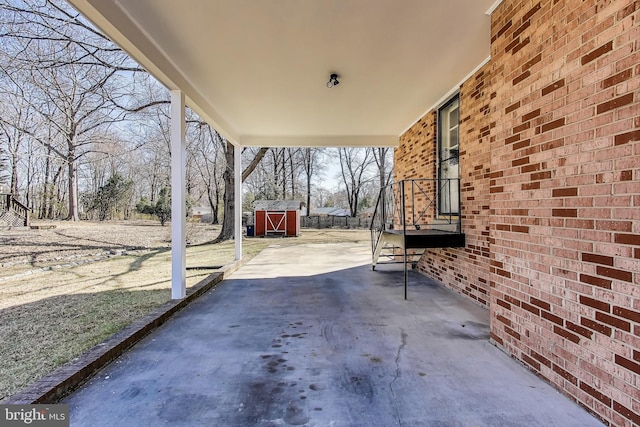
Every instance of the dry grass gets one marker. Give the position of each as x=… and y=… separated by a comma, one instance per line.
x=61, y=293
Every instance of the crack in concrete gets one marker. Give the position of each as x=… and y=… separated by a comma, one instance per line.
x=403, y=343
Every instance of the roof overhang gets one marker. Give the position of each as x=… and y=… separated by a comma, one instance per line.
x=257, y=71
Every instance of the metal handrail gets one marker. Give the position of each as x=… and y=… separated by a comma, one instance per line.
x=427, y=207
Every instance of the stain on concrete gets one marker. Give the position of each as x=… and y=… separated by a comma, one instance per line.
x=186, y=408
x=359, y=384
x=296, y=414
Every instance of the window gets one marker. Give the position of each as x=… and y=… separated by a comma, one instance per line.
x=448, y=158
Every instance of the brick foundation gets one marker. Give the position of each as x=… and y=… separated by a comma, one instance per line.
x=550, y=170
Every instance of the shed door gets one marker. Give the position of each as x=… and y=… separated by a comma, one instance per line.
x=276, y=222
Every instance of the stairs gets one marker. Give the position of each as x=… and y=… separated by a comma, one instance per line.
x=407, y=221
x=391, y=251
x=11, y=219
x=416, y=240
x=12, y=212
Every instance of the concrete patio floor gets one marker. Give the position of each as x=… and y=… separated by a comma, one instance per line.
x=310, y=335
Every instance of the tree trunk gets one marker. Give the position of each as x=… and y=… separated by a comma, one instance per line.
x=308, y=195
x=213, y=199
x=284, y=175
x=50, y=194
x=72, y=168
x=228, y=221
x=14, y=173
x=308, y=156
x=215, y=209
x=292, y=174
x=45, y=187
x=354, y=207
x=382, y=165
x=73, y=192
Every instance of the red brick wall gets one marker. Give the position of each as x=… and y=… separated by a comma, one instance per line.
x=416, y=155
x=550, y=160
x=565, y=196
x=465, y=270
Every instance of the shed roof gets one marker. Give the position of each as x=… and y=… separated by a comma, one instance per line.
x=276, y=205
x=330, y=211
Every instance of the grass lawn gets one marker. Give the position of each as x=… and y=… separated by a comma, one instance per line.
x=48, y=317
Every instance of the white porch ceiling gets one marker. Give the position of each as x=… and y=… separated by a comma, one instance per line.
x=257, y=70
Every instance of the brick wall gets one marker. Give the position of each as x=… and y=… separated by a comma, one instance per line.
x=550, y=160
x=416, y=155
x=465, y=270
x=565, y=197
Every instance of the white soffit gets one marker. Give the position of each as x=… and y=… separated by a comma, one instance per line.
x=257, y=69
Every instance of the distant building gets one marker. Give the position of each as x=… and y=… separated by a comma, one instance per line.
x=330, y=211
x=276, y=217
x=201, y=213
x=368, y=213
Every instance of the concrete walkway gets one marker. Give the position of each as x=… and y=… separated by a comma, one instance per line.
x=309, y=335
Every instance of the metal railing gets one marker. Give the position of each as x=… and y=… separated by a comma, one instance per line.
x=417, y=204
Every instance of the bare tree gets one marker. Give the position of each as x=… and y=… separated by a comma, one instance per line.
x=84, y=106
x=311, y=163
x=278, y=176
x=4, y=164
x=155, y=154
x=295, y=171
x=381, y=156
x=13, y=139
x=70, y=72
x=354, y=167
x=228, y=222
x=279, y=172
x=210, y=153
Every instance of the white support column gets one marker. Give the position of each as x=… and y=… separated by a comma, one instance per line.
x=237, y=169
x=178, y=191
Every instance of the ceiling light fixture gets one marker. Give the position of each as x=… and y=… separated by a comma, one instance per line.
x=333, y=80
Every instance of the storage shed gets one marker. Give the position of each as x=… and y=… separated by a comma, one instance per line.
x=277, y=217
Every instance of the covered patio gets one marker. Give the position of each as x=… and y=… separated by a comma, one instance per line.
x=312, y=336
x=360, y=73
x=260, y=73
